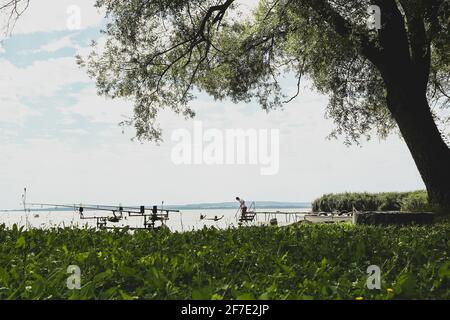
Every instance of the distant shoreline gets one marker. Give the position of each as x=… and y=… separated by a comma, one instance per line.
x=235, y=205
x=201, y=206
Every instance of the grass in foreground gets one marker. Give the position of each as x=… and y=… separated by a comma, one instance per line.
x=296, y=262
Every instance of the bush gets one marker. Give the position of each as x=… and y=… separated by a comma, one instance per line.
x=416, y=201
x=390, y=201
x=385, y=201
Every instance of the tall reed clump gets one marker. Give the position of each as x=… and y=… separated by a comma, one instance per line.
x=384, y=201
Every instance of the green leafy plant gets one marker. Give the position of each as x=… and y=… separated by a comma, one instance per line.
x=300, y=261
x=416, y=201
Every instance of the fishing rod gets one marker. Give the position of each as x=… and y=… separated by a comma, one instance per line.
x=98, y=207
x=24, y=202
x=151, y=215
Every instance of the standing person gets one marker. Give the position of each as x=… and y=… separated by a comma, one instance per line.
x=242, y=206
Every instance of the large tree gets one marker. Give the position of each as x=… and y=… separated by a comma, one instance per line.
x=381, y=80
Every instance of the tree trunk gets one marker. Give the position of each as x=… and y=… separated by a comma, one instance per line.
x=404, y=64
x=409, y=106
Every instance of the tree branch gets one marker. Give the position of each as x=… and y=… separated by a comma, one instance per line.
x=345, y=29
x=15, y=11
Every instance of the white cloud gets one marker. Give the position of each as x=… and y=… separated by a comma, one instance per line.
x=13, y=112
x=51, y=15
x=41, y=79
x=98, y=109
x=77, y=132
x=65, y=42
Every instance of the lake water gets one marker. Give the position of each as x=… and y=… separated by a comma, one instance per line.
x=183, y=221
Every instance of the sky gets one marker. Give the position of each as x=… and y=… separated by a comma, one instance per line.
x=62, y=141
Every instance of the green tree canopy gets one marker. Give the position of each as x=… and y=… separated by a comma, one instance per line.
x=159, y=52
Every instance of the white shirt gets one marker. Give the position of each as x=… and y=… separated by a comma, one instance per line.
x=242, y=202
